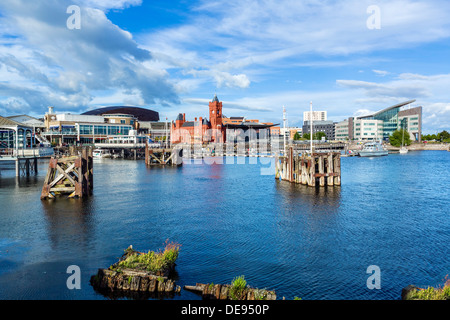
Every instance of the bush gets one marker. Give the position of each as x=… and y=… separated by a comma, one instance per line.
x=238, y=288
x=151, y=261
x=430, y=293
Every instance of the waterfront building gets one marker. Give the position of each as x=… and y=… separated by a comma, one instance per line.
x=327, y=127
x=368, y=129
x=393, y=118
x=200, y=130
x=341, y=132
x=14, y=135
x=381, y=124
x=95, y=126
x=411, y=120
x=215, y=129
x=37, y=124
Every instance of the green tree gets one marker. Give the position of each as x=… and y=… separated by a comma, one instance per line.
x=297, y=136
x=319, y=135
x=398, y=136
x=444, y=135
x=306, y=136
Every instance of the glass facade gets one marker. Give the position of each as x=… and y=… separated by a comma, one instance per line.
x=88, y=129
x=390, y=121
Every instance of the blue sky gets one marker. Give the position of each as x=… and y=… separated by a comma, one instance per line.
x=173, y=56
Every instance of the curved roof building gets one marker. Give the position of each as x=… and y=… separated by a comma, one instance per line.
x=141, y=114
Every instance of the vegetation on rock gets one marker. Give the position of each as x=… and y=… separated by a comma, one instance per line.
x=151, y=261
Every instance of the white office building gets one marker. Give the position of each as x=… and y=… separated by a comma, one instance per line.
x=316, y=116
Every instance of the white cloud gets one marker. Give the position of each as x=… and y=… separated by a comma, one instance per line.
x=381, y=73
x=56, y=66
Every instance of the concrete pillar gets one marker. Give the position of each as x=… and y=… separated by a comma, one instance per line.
x=17, y=167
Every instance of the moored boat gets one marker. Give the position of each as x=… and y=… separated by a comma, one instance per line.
x=373, y=149
x=101, y=153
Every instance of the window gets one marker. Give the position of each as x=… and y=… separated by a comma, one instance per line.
x=113, y=130
x=85, y=129
x=100, y=130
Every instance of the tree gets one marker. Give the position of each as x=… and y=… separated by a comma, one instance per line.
x=318, y=135
x=306, y=136
x=297, y=136
x=398, y=136
x=444, y=135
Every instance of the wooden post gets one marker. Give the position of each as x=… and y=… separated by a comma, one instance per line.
x=312, y=172
x=321, y=171
x=337, y=169
x=330, y=169
x=291, y=164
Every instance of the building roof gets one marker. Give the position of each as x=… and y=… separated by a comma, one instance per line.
x=189, y=124
x=10, y=123
x=215, y=98
x=141, y=114
x=399, y=105
x=27, y=120
x=180, y=117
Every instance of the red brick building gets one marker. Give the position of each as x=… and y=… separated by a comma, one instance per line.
x=201, y=130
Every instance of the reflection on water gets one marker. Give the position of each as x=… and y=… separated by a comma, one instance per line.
x=69, y=222
x=314, y=243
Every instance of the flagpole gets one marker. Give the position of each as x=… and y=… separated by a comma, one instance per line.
x=311, y=127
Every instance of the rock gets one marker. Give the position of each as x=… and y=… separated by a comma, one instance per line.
x=407, y=291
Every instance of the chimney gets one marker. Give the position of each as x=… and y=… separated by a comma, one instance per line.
x=184, y=117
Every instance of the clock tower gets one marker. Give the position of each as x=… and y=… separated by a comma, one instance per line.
x=215, y=118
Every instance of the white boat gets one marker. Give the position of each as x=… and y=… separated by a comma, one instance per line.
x=403, y=150
x=373, y=149
x=101, y=153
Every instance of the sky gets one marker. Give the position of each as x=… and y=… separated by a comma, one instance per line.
x=348, y=58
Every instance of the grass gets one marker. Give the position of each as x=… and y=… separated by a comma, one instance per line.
x=238, y=288
x=150, y=261
x=431, y=293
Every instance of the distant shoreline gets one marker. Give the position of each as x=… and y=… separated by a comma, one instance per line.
x=412, y=147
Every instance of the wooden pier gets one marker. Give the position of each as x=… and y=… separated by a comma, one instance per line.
x=71, y=175
x=163, y=156
x=323, y=169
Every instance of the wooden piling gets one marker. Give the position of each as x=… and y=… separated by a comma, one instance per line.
x=162, y=156
x=72, y=175
x=323, y=169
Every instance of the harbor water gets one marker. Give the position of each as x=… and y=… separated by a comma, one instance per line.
x=235, y=219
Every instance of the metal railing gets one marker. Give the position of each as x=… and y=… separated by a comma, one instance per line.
x=26, y=153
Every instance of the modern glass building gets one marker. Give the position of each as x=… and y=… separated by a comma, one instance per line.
x=390, y=119
x=381, y=124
